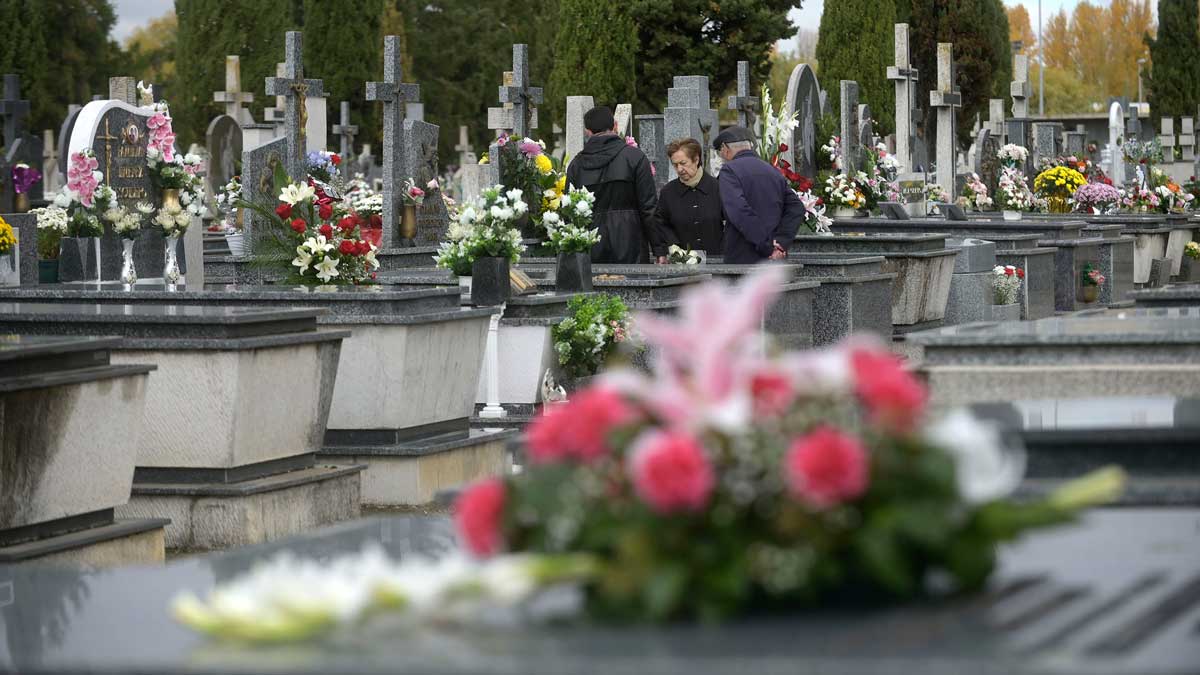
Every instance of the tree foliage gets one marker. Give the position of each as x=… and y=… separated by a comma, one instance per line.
x=1020, y=29
x=1174, y=82
x=62, y=51
x=594, y=54
x=855, y=43
x=1106, y=67
x=346, y=54
x=150, y=50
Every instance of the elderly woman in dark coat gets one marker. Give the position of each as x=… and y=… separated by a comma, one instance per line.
x=689, y=213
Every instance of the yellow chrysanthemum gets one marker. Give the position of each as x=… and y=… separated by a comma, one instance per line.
x=8, y=238
x=543, y=164
x=561, y=185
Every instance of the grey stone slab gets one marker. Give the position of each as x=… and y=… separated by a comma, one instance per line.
x=25, y=227
x=1174, y=295
x=651, y=138
x=970, y=298
x=1037, y=294
x=1159, y=272
x=974, y=255
x=1069, y=260
x=1116, y=264
x=870, y=244
x=978, y=228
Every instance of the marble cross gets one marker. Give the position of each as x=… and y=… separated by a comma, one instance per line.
x=233, y=97
x=294, y=89
x=1020, y=87
x=466, y=155
x=945, y=99
x=746, y=105
x=13, y=109
x=394, y=94
x=520, y=94
x=346, y=131
x=905, y=77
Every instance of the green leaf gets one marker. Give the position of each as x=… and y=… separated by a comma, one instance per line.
x=664, y=590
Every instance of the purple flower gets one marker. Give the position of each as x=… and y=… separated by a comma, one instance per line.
x=530, y=149
x=23, y=177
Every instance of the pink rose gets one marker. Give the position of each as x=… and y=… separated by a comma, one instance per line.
x=671, y=472
x=578, y=429
x=893, y=397
x=826, y=467
x=477, y=517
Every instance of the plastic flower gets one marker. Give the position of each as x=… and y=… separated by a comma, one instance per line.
x=826, y=467
x=671, y=472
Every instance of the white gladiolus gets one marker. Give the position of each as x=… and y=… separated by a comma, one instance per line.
x=986, y=469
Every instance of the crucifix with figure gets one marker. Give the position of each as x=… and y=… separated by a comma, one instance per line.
x=345, y=131
x=394, y=94
x=519, y=94
x=746, y=105
x=295, y=89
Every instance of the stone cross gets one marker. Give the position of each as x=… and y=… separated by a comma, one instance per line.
x=850, y=151
x=503, y=119
x=1187, y=138
x=233, y=97
x=13, y=109
x=347, y=132
x=295, y=89
x=466, y=155
x=905, y=77
x=576, y=107
x=688, y=115
x=274, y=115
x=945, y=99
x=1020, y=89
x=747, y=106
x=1167, y=138
x=520, y=94
x=995, y=121
x=123, y=89
x=50, y=162
x=394, y=94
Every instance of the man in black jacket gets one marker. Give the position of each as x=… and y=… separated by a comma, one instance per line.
x=619, y=175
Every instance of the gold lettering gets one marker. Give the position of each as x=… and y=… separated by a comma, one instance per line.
x=131, y=151
x=131, y=192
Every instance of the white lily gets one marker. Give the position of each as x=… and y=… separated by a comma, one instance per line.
x=296, y=192
x=327, y=269
x=986, y=468
x=302, y=260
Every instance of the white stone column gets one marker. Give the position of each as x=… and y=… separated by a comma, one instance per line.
x=491, y=360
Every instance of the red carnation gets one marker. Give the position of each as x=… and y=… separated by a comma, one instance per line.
x=1020, y=273
x=347, y=247
x=346, y=224
x=284, y=211
x=299, y=225
x=325, y=211
x=578, y=430
x=326, y=231
x=826, y=467
x=892, y=396
x=335, y=159
x=1008, y=271
x=477, y=517
x=364, y=247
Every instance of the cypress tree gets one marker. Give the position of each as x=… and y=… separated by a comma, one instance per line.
x=594, y=54
x=343, y=46
x=855, y=43
x=1175, y=60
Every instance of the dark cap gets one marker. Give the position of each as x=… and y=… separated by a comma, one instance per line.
x=732, y=135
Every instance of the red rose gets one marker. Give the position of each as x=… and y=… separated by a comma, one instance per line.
x=335, y=159
x=1008, y=271
x=579, y=428
x=671, y=472
x=772, y=393
x=347, y=247
x=1020, y=273
x=364, y=247
x=346, y=224
x=299, y=225
x=893, y=397
x=284, y=211
x=477, y=517
x=326, y=231
x=325, y=211
x=783, y=147
x=826, y=467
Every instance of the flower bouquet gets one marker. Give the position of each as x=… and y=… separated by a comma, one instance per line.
x=1097, y=198
x=323, y=165
x=1013, y=195
x=1057, y=185
x=51, y=228
x=1012, y=156
x=8, y=238
x=572, y=237
x=484, y=238
x=976, y=193
x=1006, y=284
x=10, y=267
x=677, y=255
x=814, y=211
x=727, y=482
x=1137, y=199
x=1090, y=280
x=771, y=129
x=530, y=170
x=845, y=194
x=595, y=328
x=1172, y=198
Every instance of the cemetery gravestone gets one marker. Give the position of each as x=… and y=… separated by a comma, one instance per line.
x=577, y=106
x=850, y=152
x=1045, y=142
x=466, y=155
x=651, y=139
x=224, y=143
x=1075, y=143
x=624, y=119
x=346, y=131
x=520, y=94
x=995, y=121
x=945, y=99
x=295, y=90
x=421, y=164
x=1187, y=139
x=64, y=138
x=1020, y=89
x=905, y=77
x=21, y=147
x=866, y=134
x=393, y=93
x=1116, y=128
x=233, y=97
x=258, y=184
x=688, y=115
x=746, y=105
x=1167, y=138
x=804, y=99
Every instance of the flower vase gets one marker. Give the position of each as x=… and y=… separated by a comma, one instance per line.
x=171, y=275
x=237, y=244
x=408, y=222
x=1189, y=270
x=48, y=271
x=128, y=272
x=10, y=266
x=1009, y=214
x=170, y=198
x=1058, y=205
x=573, y=273
x=1090, y=293
x=489, y=281
x=21, y=203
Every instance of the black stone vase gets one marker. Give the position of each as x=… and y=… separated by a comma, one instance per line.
x=489, y=281
x=574, y=272
x=78, y=259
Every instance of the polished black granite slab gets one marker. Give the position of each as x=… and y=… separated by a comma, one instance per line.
x=1118, y=594
x=1139, y=326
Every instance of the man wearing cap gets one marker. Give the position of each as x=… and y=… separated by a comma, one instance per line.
x=762, y=212
x=619, y=175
